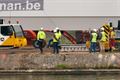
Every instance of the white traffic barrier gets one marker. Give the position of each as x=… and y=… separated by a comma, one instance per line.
x=73, y=48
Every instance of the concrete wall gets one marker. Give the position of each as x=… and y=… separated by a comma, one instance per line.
x=79, y=61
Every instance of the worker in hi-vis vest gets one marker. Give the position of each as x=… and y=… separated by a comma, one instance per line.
x=59, y=32
x=93, y=41
x=41, y=36
x=103, y=40
x=56, y=39
x=112, y=39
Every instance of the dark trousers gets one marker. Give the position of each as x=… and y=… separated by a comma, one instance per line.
x=55, y=47
x=41, y=45
x=49, y=43
x=93, y=47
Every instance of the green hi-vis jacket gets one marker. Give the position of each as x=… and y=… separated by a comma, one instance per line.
x=103, y=36
x=94, y=37
x=56, y=37
x=41, y=35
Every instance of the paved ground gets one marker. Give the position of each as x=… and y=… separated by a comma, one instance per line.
x=33, y=50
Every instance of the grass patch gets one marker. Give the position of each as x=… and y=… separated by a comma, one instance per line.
x=62, y=66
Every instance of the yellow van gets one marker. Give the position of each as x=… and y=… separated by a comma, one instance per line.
x=12, y=35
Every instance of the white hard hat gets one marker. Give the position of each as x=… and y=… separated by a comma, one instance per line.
x=54, y=30
x=41, y=28
x=95, y=30
x=102, y=28
x=57, y=28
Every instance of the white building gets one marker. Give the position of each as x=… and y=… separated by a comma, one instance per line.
x=68, y=14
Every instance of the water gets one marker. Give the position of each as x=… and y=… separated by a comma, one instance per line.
x=60, y=77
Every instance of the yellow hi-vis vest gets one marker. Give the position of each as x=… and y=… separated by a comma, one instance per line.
x=57, y=36
x=41, y=35
x=103, y=36
x=94, y=37
x=60, y=34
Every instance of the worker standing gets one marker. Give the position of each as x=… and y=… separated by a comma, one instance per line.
x=59, y=32
x=56, y=39
x=112, y=39
x=93, y=41
x=103, y=40
x=50, y=42
x=41, y=36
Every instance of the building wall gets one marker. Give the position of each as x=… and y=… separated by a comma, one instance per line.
x=64, y=23
x=72, y=8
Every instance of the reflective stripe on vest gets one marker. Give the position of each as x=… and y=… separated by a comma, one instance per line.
x=94, y=37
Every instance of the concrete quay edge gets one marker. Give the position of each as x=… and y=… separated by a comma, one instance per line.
x=62, y=72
